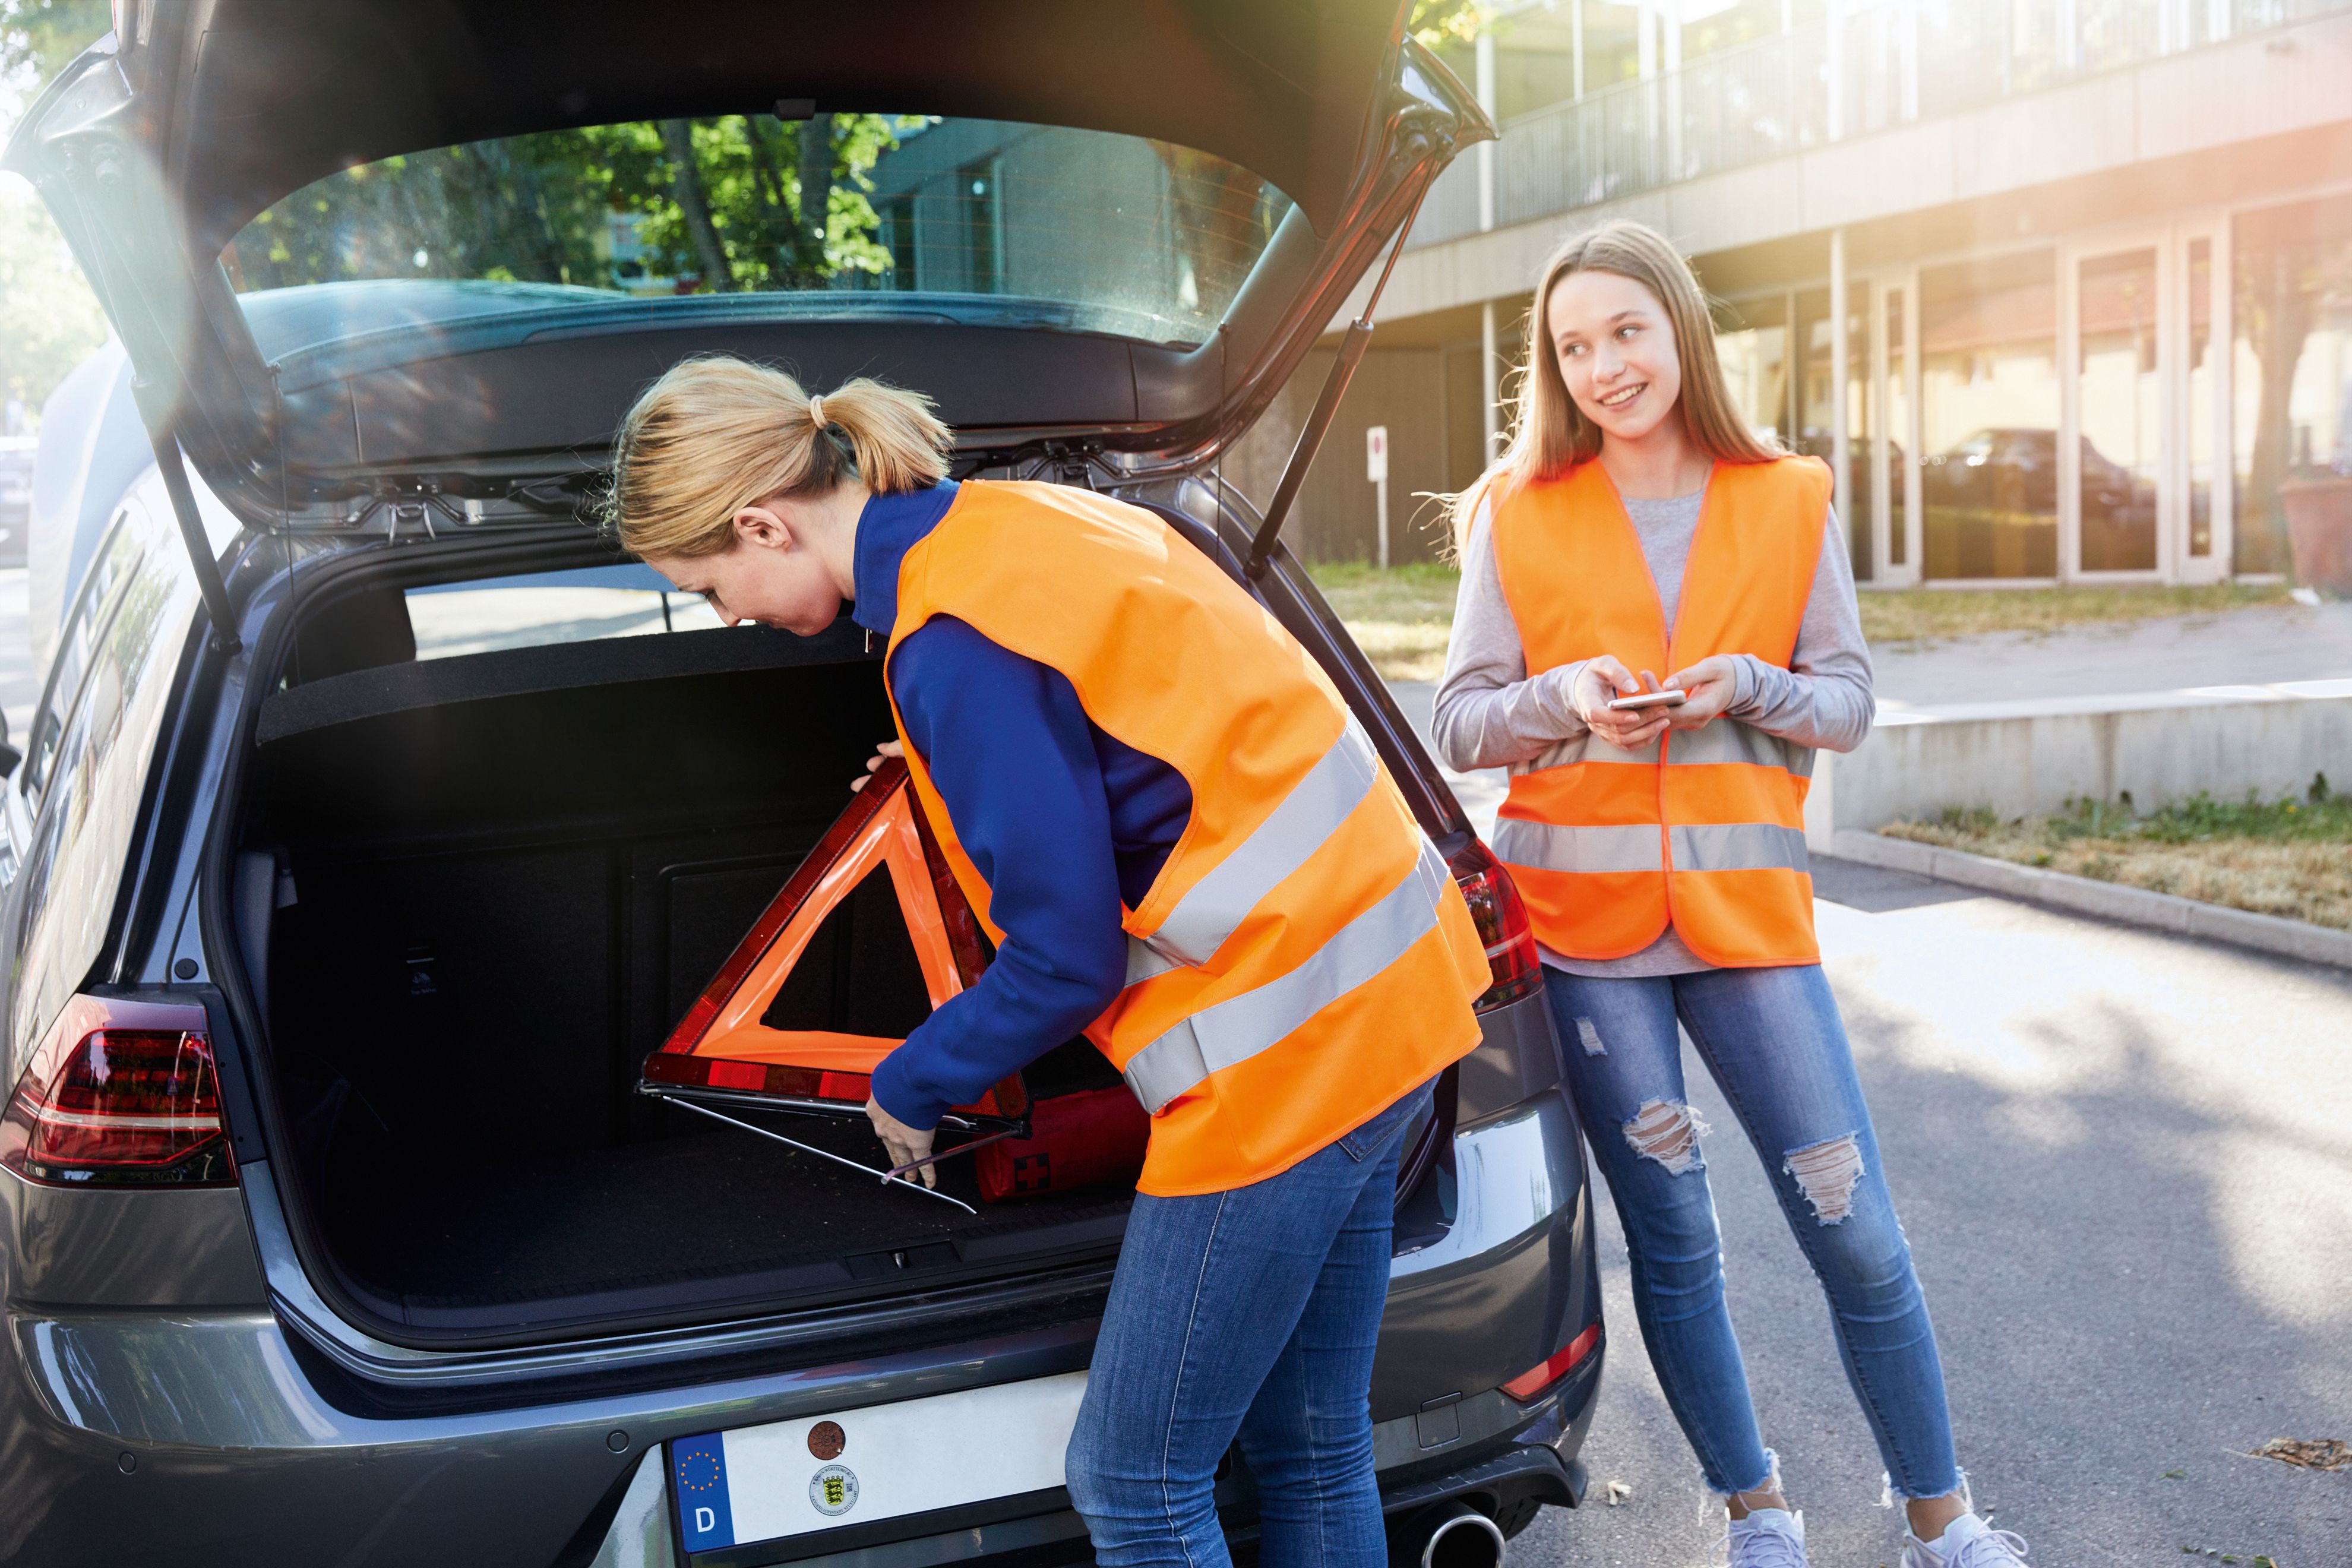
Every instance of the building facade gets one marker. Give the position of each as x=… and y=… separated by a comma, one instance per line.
x=2061, y=289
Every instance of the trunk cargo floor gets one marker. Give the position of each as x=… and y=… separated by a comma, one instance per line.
x=684, y=1209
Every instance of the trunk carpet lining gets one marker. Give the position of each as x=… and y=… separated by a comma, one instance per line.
x=676, y=1211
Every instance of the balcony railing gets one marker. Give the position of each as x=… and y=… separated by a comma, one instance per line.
x=1879, y=66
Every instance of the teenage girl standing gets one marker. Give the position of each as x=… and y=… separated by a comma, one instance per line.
x=1183, y=846
x=1636, y=530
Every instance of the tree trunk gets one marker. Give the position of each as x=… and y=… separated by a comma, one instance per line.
x=686, y=186
x=779, y=224
x=816, y=191
x=2279, y=322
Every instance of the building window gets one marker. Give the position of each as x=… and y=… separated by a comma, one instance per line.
x=1751, y=340
x=2291, y=364
x=1988, y=417
x=1817, y=410
x=2202, y=411
x=897, y=237
x=2120, y=451
x=1898, y=424
x=983, y=234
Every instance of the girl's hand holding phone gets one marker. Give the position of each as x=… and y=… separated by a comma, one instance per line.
x=1628, y=729
x=1712, y=683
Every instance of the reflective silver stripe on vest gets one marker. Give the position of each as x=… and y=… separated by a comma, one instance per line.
x=1142, y=963
x=1241, y=1026
x=1585, y=748
x=1215, y=906
x=1738, y=846
x=1710, y=846
x=1545, y=847
x=1729, y=740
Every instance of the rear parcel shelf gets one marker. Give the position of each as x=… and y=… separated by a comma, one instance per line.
x=407, y=687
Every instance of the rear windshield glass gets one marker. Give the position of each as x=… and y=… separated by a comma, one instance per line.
x=979, y=219
x=582, y=605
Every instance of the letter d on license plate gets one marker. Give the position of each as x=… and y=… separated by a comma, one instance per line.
x=854, y=1466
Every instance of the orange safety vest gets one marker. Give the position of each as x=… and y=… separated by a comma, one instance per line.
x=1304, y=956
x=1704, y=828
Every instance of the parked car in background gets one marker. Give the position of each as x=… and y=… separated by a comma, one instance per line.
x=1991, y=500
x=337, y=926
x=15, y=496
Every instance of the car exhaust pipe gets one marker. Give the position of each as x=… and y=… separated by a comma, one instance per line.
x=1452, y=1535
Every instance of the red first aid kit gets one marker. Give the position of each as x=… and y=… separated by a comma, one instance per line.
x=1083, y=1140
x=726, y=1056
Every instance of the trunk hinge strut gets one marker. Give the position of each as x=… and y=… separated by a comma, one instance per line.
x=200, y=549
x=1352, y=344
x=173, y=467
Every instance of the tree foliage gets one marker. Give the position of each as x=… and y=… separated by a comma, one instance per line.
x=38, y=36
x=49, y=320
x=742, y=202
x=1437, y=23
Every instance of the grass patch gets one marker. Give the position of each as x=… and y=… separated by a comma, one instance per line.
x=1400, y=617
x=1928, y=614
x=2290, y=857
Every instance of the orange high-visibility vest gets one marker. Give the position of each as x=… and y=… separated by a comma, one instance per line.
x=1304, y=956
x=1703, y=829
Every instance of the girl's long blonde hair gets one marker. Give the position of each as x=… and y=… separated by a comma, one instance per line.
x=718, y=434
x=1550, y=434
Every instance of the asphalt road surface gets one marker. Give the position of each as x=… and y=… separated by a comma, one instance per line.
x=2124, y=1163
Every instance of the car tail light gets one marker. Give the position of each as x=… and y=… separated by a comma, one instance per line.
x=1531, y=1383
x=120, y=1093
x=1502, y=924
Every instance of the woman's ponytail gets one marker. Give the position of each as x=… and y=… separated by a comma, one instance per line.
x=896, y=442
x=718, y=434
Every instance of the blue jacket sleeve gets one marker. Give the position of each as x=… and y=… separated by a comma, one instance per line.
x=1012, y=753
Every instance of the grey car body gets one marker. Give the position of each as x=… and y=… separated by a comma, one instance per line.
x=187, y=1375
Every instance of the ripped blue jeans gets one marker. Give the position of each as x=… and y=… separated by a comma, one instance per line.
x=1773, y=1041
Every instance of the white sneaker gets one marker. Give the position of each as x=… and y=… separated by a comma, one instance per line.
x=1767, y=1538
x=1966, y=1542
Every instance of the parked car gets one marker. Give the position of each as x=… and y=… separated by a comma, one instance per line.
x=1992, y=501
x=2017, y=470
x=15, y=496
x=331, y=1229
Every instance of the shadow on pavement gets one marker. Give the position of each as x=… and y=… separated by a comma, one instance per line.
x=2125, y=1166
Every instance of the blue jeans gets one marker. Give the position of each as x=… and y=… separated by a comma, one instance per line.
x=1250, y=1313
x=1774, y=1043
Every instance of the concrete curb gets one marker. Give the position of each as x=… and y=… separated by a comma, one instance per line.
x=2081, y=895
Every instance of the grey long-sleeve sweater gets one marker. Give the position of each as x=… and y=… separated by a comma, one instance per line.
x=1490, y=713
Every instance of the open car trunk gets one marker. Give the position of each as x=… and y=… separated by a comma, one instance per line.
x=477, y=891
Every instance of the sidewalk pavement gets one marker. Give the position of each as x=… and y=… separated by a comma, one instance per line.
x=1996, y=673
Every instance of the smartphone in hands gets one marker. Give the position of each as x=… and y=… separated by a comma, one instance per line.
x=1670, y=698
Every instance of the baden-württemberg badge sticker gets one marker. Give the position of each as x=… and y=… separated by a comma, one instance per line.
x=832, y=1490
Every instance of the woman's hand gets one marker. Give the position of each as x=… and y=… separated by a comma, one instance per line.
x=1712, y=683
x=901, y=1143
x=1604, y=678
x=886, y=749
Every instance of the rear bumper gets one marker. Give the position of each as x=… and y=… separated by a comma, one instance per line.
x=205, y=1436
x=1538, y=1462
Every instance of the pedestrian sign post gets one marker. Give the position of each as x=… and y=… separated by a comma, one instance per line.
x=1376, y=469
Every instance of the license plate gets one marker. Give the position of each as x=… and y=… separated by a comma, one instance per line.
x=854, y=1466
